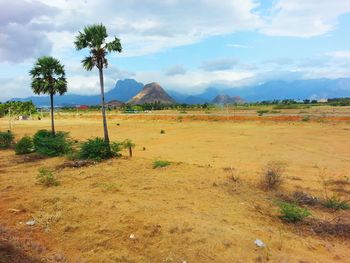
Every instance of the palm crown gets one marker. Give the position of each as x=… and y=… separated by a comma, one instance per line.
x=48, y=76
x=94, y=38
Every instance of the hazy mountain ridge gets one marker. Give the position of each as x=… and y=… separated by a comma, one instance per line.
x=126, y=89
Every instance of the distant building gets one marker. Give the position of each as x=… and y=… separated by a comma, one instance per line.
x=113, y=104
x=23, y=117
x=322, y=100
x=82, y=107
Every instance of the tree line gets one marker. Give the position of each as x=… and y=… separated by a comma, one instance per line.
x=16, y=108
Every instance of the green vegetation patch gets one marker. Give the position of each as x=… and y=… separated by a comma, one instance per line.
x=47, y=178
x=48, y=144
x=292, y=213
x=6, y=139
x=336, y=203
x=160, y=164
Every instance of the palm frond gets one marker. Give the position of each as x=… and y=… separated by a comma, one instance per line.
x=114, y=46
x=89, y=63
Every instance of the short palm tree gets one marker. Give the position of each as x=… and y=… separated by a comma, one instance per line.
x=128, y=144
x=94, y=38
x=48, y=77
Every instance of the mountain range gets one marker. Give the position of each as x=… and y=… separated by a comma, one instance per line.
x=125, y=90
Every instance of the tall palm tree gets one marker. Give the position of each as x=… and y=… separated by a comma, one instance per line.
x=48, y=77
x=94, y=38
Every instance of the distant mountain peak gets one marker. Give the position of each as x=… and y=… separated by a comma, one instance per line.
x=152, y=93
x=124, y=90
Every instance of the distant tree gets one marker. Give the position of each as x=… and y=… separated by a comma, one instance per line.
x=94, y=38
x=48, y=77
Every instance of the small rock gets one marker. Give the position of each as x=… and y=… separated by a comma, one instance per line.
x=14, y=210
x=30, y=222
x=259, y=243
x=132, y=236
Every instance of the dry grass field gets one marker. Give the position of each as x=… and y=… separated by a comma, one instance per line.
x=207, y=206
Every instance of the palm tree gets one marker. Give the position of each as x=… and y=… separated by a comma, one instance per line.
x=94, y=38
x=48, y=77
x=129, y=145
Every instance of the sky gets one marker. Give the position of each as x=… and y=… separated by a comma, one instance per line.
x=185, y=45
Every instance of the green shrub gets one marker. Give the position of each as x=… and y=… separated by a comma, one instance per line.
x=160, y=164
x=305, y=118
x=47, y=144
x=336, y=203
x=47, y=178
x=262, y=112
x=97, y=149
x=292, y=213
x=24, y=145
x=6, y=139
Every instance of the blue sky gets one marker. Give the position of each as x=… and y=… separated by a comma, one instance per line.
x=185, y=45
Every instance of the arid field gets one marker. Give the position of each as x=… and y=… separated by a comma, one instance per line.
x=206, y=206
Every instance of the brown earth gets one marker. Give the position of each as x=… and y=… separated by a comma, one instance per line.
x=189, y=211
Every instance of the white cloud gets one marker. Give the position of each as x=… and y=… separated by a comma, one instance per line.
x=20, y=40
x=219, y=64
x=175, y=70
x=31, y=28
x=15, y=87
x=238, y=46
x=300, y=18
x=150, y=26
x=342, y=54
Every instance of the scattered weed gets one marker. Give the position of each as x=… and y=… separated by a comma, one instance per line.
x=109, y=187
x=272, y=176
x=336, y=203
x=160, y=164
x=47, y=178
x=162, y=132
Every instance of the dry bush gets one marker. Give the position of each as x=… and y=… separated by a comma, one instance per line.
x=305, y=199
x=339, y=226
x=272, y=175
x=334, y=202
x=233, y=173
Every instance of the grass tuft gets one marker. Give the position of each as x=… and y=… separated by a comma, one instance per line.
x=160, y=164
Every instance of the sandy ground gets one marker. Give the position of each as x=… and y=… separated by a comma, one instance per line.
x=189, y=211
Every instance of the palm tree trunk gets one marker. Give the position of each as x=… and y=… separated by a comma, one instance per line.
x=52, y=115
x=105, y=129
x=130, y=152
